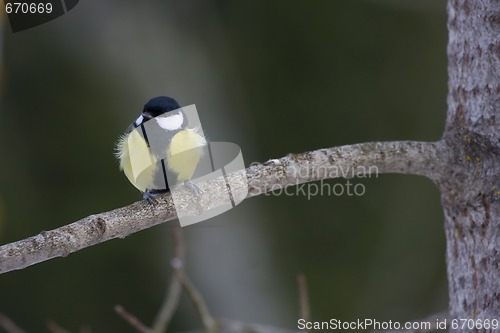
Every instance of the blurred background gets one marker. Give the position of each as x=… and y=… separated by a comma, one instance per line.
x=274, y=77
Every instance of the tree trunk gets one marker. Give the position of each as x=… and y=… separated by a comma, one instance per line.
x=471, y=185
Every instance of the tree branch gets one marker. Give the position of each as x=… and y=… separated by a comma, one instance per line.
x=304, y=305
x=174, y=290
x=406, y=157
x=199, y=303
x=132, y=320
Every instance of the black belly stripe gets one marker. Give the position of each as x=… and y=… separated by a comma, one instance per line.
x=144, y=134
x=164, y=173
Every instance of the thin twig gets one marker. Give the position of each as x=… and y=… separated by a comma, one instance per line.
x=174, y=291
x=406, y=157
x=304, y=305
x=132, y=320
x=9, y=326
x=199, y=303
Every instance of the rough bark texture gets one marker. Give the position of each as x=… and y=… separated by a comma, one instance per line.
x=471, y=185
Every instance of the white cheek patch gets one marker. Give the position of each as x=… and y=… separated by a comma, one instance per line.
x=139, y=120
x=170, y=123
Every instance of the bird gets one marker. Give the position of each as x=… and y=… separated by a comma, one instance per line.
x=159, y=148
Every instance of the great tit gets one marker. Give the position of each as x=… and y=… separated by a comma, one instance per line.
x=161, y=142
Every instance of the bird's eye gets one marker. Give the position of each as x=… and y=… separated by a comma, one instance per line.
x=148, y=115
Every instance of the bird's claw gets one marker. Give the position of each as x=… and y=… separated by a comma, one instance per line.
x=150, y=196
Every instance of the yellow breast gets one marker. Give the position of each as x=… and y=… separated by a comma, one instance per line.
x=136, y=161
x=185, y=152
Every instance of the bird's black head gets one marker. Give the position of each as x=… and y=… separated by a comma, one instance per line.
x=158, y=106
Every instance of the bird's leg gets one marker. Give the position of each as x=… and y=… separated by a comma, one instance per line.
x=150, y=194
